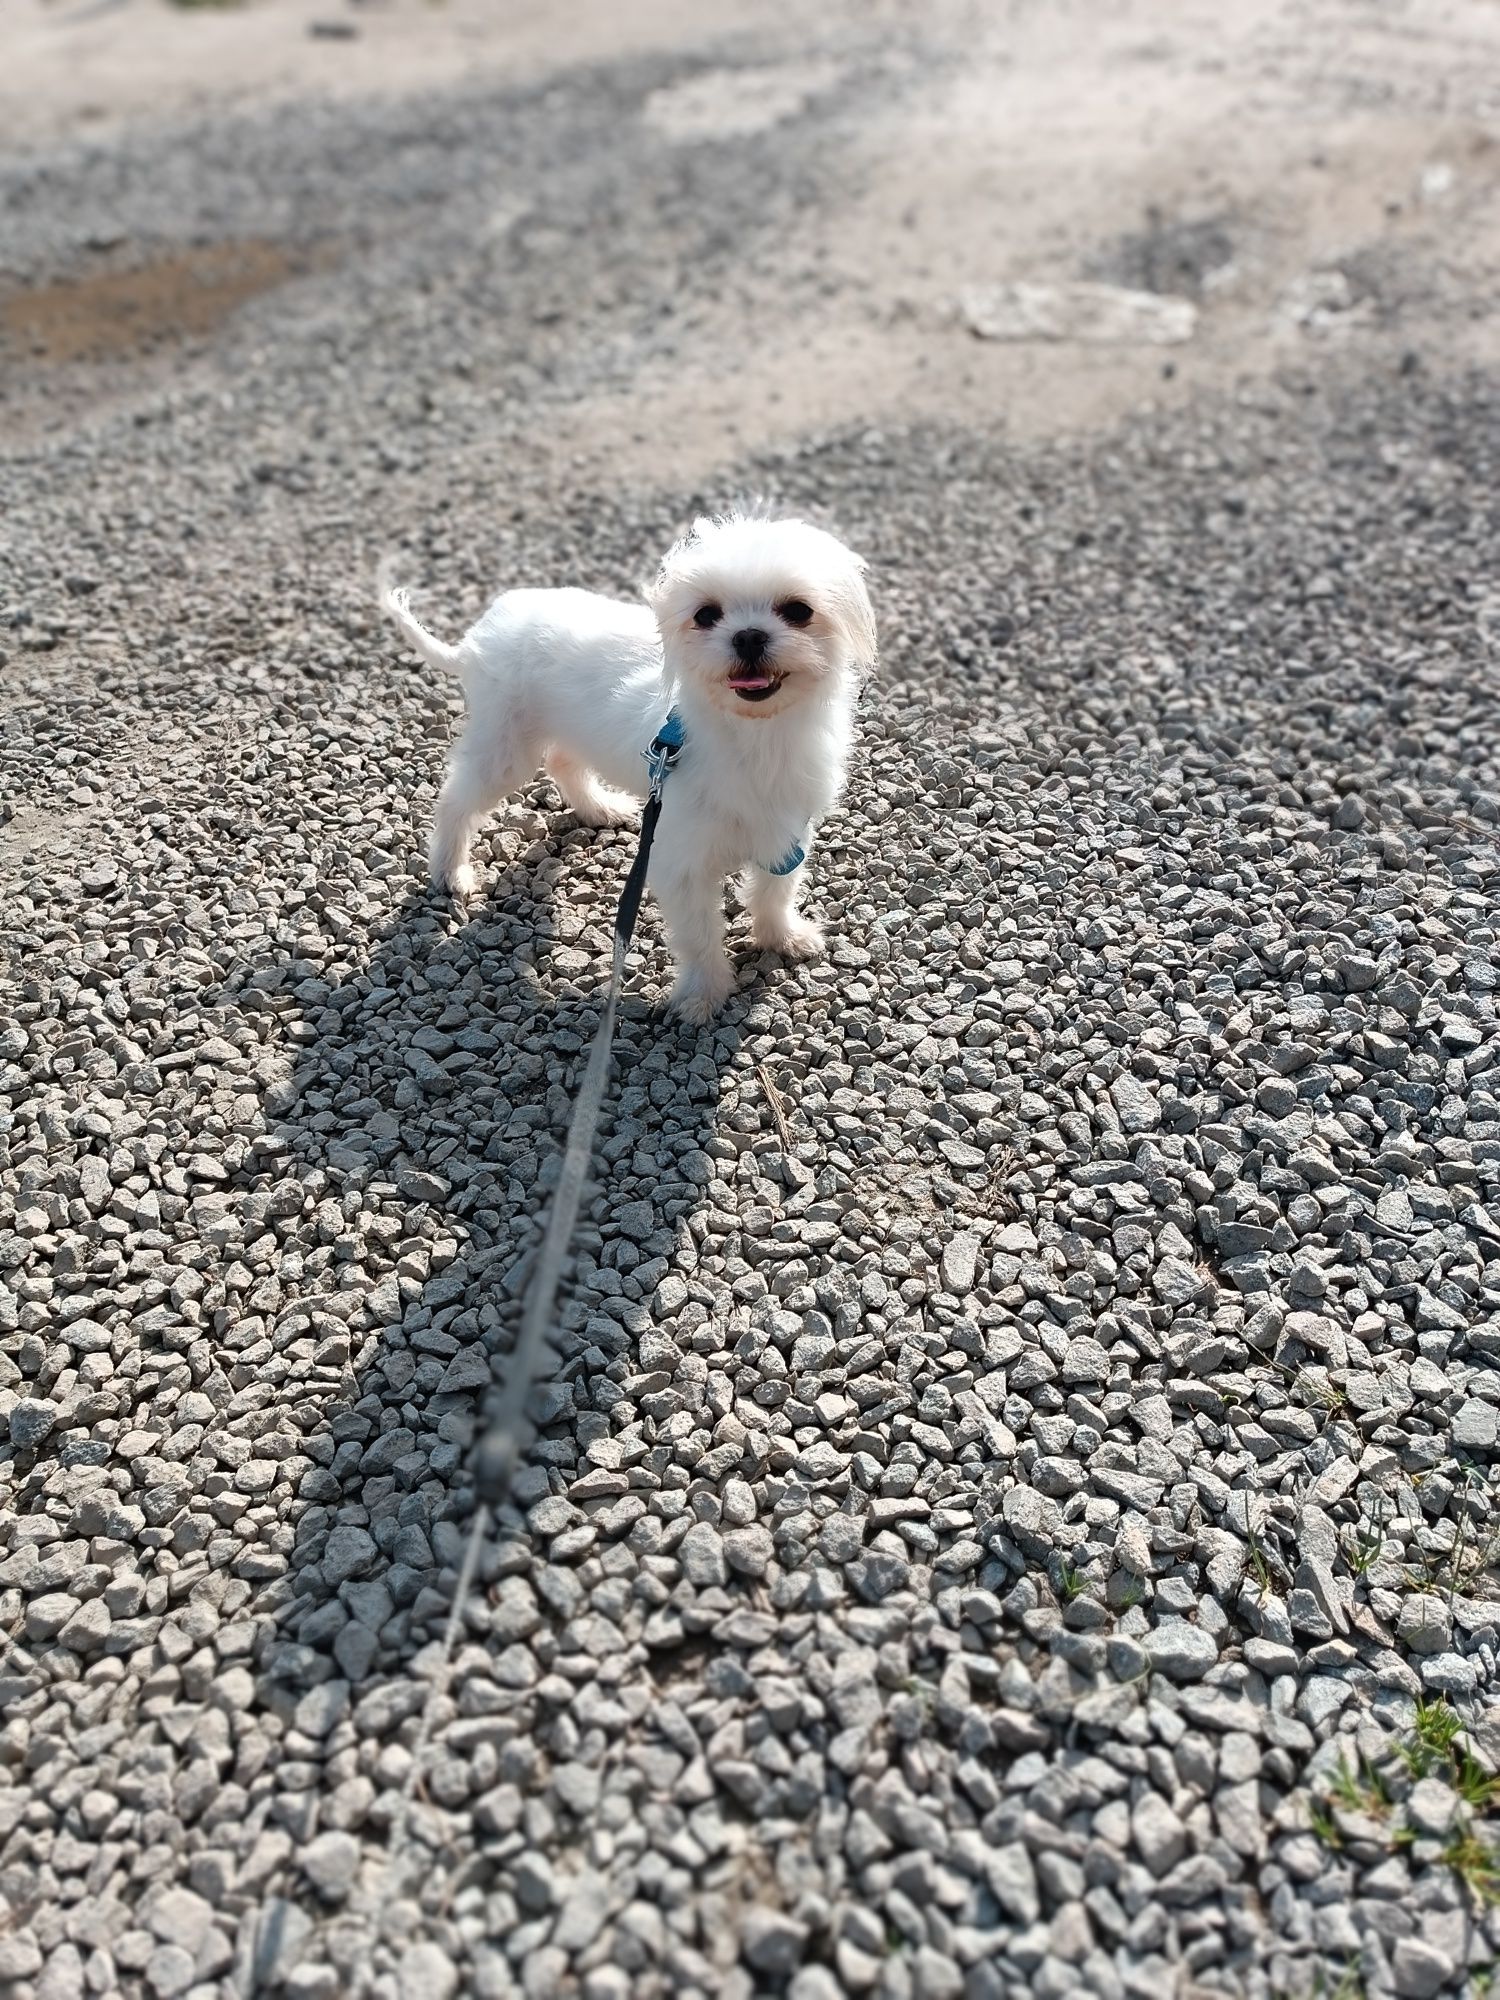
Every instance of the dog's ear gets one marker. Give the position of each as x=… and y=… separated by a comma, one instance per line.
x=857, y=615
x=668, y=578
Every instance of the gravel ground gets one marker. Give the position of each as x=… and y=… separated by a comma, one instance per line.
x=1016, y=1510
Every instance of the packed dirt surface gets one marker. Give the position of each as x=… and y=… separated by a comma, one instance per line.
x=1309, y=177
x=1015, y=1509
x=116, y=315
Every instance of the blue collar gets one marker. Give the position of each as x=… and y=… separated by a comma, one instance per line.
x=661, y=758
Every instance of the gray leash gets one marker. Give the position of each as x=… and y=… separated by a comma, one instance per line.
x=500, y=1443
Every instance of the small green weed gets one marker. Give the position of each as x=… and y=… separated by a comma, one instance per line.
x=1476, y=1863
x=1260, y=1566
x=1362, y=1791
x=1314, y=1386
x=1476, y=1786
x=1429, y=1750
x=921, y=1691
x=1071, y=1583
x=1436, y=1724
x=1351, y=1984
x=1364, y=1545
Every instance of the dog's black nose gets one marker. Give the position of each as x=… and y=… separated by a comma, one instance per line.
x=750, y=644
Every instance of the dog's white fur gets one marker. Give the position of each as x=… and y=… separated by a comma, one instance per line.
x=582, y=683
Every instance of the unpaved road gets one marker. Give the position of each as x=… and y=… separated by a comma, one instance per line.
x=1016, y=1509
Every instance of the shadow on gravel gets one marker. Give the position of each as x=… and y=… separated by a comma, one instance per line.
x=414, y=1143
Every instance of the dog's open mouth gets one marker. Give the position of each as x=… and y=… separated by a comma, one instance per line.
x=754, y=683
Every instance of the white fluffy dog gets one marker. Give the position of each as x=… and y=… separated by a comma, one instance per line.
x=758, y=632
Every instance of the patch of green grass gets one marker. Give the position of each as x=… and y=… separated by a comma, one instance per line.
x=1428, y=1748
x=1364, y=1545
x=1071, y=1583
x=1260, y=1566
x=1345, y=1789
x=1432, y=1749
x=1351, y=1984
x=1362, y=1791
x=1436, y=1724
x=1473, y=1556
x=1133, y=1594
x=1476, y=1786
x=1476, y=1863
x=923, y=1692
x=1323, y=1827
x=1315, y=1387
x=1473, y=1519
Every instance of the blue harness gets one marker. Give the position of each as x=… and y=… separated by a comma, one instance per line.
x=666, y=748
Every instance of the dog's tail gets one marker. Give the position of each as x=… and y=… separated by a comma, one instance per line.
x=396, y=604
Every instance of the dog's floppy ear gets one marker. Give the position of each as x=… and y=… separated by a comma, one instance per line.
x=666, y=577
x=669, y=575
x=857, y=615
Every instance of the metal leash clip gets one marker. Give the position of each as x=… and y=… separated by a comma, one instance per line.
x=663, y=753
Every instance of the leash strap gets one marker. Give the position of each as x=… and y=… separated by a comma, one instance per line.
x=499, y=1447
x=498, y=1451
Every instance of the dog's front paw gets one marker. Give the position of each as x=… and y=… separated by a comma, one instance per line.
x=795, y=938
x=700, y=993
x=459, y=882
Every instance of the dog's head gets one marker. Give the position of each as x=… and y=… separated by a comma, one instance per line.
x=758, y=616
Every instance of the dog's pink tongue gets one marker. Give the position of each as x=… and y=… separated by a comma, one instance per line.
x=750, y=679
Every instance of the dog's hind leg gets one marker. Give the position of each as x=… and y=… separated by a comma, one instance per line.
x=479, y=777
x=593, y=803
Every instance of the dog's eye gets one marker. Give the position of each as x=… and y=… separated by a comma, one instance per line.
x=707, y=615
x=795, y=612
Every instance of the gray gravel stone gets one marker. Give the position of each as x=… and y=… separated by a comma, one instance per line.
x=1182, y=1651
x=1425, y=1624
x=1450, y=1674
x=331, y=1864
x=814, y=1982
x=20, y=1955
x=31, y=1421
x=1158, y=1833
x=1430, y=1807
x=424, y=1973
x=1476, y=1426
x=959, y=1263
x=772, y=1941
x=749, y=1551
x=350, y=1552
x=702, y=1556
x=179, y=1917
x=1421, y=1971
x=1011, y=1875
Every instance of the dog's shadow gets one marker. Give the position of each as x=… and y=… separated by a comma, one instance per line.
x=415, y=1142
